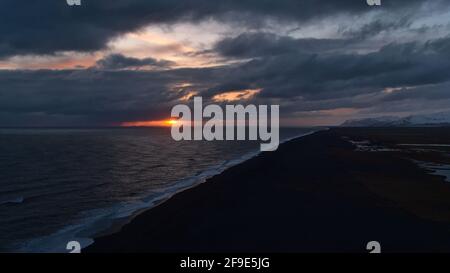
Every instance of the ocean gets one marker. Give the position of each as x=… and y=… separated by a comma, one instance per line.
x=61, y=185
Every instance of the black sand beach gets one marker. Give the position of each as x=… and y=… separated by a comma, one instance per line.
x=315, y=194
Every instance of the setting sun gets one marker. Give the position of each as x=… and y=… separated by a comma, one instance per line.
x=171, y=122
x=150, y=123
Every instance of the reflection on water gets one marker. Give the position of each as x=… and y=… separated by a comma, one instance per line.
x=54, y=178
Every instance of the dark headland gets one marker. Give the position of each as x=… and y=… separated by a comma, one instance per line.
x=318, y=193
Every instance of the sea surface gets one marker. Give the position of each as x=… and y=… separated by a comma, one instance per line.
x=61, y=185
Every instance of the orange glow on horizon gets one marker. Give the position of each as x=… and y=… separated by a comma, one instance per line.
x=150, y=123
x=66, y=60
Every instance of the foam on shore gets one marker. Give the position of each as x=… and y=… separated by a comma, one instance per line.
x=99, y=221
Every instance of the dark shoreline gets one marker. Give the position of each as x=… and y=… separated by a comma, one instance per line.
x=327, y=198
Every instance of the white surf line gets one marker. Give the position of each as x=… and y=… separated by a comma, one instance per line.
x=55, y=242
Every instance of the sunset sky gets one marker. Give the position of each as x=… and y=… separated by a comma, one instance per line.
x=108, y=63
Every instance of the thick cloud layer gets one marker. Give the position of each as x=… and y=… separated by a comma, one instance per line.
x=375, y=67
x=49, y=26
x=250, y=45
x=119, y=61
x=313, y=82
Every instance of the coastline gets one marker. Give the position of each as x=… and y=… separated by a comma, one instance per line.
x=104, y=222
x=199, y=179
x=312, y=195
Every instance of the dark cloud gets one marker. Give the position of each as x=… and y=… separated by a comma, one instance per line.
x=93, y=97
x=305, y=76
x=378, y=26
x=250, y=45
x=339, y=74
x=440, y=91
x=48, y=26
x=119, y=61
x=298, y=81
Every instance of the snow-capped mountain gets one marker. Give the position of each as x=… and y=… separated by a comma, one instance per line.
x=436, y=119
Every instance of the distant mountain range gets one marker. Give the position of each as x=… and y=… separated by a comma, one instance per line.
x=436, y=119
